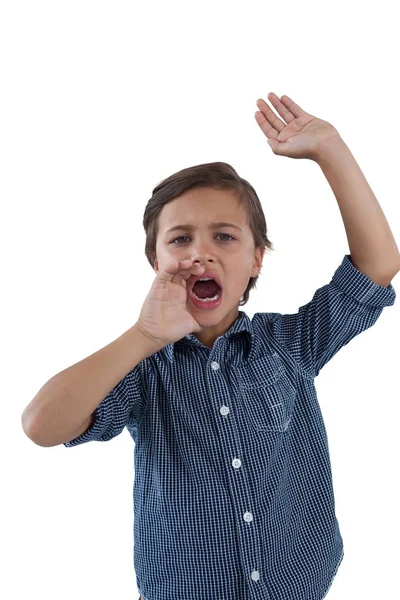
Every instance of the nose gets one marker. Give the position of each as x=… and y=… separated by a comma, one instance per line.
x=204, y=262
x=202, y=257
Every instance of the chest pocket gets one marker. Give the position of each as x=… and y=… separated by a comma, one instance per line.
x=267, y=393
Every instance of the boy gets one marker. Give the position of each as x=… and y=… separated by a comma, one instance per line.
x=233, y=491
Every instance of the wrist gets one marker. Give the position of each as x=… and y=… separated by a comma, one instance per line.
x=329, y=149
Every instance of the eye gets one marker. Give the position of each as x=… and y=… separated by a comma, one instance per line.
x=185, y=236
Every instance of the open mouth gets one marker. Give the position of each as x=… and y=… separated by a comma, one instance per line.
x=208, y=291
x=206, y=295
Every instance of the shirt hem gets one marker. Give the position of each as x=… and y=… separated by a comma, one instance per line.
x=330, y=582
x=333, y=576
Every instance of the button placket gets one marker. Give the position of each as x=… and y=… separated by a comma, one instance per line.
x=236, y=464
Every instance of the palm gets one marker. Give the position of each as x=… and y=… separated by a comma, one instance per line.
x=299, y=135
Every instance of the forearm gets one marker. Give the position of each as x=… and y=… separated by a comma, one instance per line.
x=372, y=246
x=69, y=398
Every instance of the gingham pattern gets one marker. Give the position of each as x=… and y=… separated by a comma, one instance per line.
x=233, y=494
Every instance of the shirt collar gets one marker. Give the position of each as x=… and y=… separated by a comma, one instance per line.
x=242, y=326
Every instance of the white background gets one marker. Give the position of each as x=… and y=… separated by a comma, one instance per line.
x=102, y=100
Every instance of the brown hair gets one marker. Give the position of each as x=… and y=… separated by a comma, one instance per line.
x=216, y=175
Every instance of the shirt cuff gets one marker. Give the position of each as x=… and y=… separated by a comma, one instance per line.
x=360, y=287
x=103, y=416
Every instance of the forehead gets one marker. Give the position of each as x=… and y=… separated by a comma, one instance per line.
x=202, y=205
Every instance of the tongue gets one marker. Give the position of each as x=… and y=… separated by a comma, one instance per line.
x=206, y=289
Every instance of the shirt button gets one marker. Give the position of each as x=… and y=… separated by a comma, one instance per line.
x=255, y=575
x=237, y=463
x=224, y=410
x=214, y=365
x=248, y=517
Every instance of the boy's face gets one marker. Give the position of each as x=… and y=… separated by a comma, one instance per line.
x=234, y=259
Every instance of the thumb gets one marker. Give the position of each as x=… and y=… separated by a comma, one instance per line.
x=274, y=145
x=280, y=148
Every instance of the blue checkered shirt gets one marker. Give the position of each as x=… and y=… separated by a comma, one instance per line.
x=233, y=495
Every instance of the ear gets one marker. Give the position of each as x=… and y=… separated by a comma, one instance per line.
x=258, y=260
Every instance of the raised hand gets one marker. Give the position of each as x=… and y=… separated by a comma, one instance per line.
x=299, y=134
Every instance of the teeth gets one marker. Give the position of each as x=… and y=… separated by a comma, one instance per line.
x=207, y=299
x=205, y=279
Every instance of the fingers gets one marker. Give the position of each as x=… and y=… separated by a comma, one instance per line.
x=184, y=269
x=190, y=269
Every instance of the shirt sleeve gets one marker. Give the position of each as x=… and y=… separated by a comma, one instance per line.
x=338, y=311
x=124, y=403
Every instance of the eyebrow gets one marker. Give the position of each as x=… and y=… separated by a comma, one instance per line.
x=212, y=226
